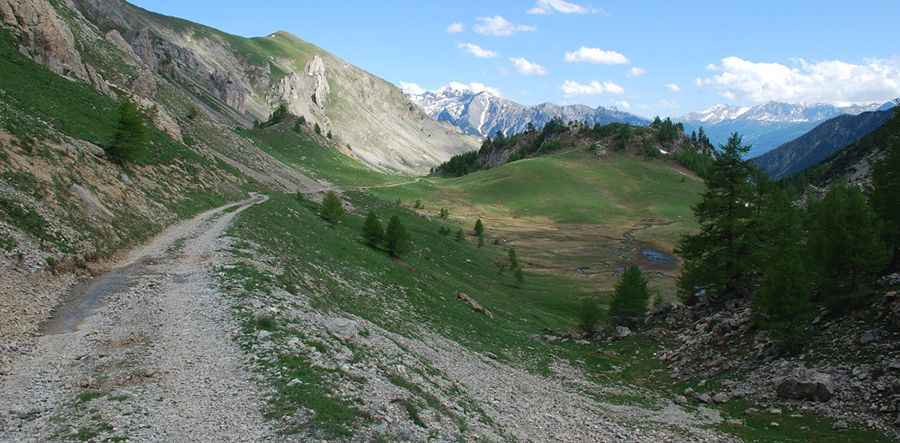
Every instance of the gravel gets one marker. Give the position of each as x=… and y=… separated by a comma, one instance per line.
x=156, y=363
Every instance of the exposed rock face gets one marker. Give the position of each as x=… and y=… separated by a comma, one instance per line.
x=46, y=37
x=234, y=80
x=806, y=384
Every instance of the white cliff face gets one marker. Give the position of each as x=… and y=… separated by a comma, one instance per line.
x=481, y=112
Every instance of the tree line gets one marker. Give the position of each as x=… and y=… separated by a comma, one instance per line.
x=757, y=241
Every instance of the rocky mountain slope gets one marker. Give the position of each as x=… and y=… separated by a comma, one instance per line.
x=854, y=162
x=818, y=144
x=120, y=48
x=765, y=126
x=481, y=112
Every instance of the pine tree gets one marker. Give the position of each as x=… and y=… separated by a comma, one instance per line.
x=373, y=232
x=318, y=129
x=332, y=208
x=886, y=196
x=629, y=303
x=479, y=228
x=131, y=134
x=717, y=258
x=398, y=241
x=445, y=213
x=845, y=246
x=782, y=303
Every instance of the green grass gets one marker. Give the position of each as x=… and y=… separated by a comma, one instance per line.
x=30, y=94
x=425, y=282
x=573, y=187
x=758, y=427
x=305, y=154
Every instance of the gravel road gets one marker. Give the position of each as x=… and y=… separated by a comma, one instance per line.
x=145, y=352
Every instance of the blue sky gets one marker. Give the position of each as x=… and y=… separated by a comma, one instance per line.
x=689, y=55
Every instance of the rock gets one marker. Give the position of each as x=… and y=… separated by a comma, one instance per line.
x=680, y=400
x=342, y=328
x=734, y=422
x=840, y=425
x=870, y=336
x=703, y=398
x=263, y=335
x=721, y=397
x=774, y=411
x=622, y=332
x=295, y=382
x=806, y=384
x=474, y=305
x=894, y=365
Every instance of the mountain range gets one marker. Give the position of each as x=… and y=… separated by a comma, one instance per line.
x=765, y=126
x=820, y=143
x=480, y=111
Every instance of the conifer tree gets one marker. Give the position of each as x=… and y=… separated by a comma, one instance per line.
x=717, y=258
x=131, y=134
x=886, y=195
x=629, y=303
x=479, y=228
x=398, y=241
x=845, y=246
x=782, y=303
x=332, y=208
x=373, y=232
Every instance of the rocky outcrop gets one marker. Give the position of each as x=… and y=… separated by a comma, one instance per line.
x=806, y=384
x=46, y=38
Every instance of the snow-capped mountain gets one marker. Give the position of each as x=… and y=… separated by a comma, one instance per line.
x=479, y=110
x=768, y=125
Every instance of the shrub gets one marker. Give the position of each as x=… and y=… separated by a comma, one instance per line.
x=479, y=228
x=629, y=303
x=589, y=315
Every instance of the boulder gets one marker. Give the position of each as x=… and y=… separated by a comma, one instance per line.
x=474, y=305
x=342, y=328
x=806, y=384
x=622, y=332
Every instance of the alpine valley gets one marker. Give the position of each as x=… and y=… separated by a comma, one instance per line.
x=212, y=237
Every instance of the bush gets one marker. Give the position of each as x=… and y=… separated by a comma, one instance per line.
x=629, y=304
x=332, y=208
x=589, y=315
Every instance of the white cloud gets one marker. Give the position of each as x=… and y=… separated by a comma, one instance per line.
x=570, y=87
x=473, y=87
x=596, y=56
x=637, y=72
x=673, y=87
x=561, y=6
x=476, y=50
x=834, y=81
x=498, y=26
x=411, y=88
x=455, y=28
x=526, y=67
